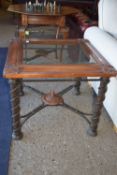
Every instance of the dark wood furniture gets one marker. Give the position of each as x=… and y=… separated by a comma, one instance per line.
x=46, y=17
x=80, y=60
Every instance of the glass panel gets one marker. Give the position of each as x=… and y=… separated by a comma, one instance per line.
x=55, y=54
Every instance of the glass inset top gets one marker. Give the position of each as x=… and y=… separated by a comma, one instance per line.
x=55, y=54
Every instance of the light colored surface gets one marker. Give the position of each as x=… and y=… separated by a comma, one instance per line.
x=108, y=16
x=55, y=140
x=106, y=44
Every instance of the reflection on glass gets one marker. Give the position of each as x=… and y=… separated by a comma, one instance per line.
x=54, y=54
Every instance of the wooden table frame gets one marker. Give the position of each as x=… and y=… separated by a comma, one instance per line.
x=15, y=70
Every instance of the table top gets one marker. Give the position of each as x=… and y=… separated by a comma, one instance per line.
x=61, y=58
x=57, y=11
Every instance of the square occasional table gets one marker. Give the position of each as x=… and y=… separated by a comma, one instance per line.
x=79, y=61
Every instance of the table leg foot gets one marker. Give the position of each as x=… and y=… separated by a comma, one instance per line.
x=92, y=133
x=17, y=136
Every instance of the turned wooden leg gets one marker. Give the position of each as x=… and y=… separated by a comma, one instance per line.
x=77, y=86
x=15, y=103
x=20, y=81
x=92, y=131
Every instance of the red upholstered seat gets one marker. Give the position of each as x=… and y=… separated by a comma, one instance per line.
x=84, y=21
